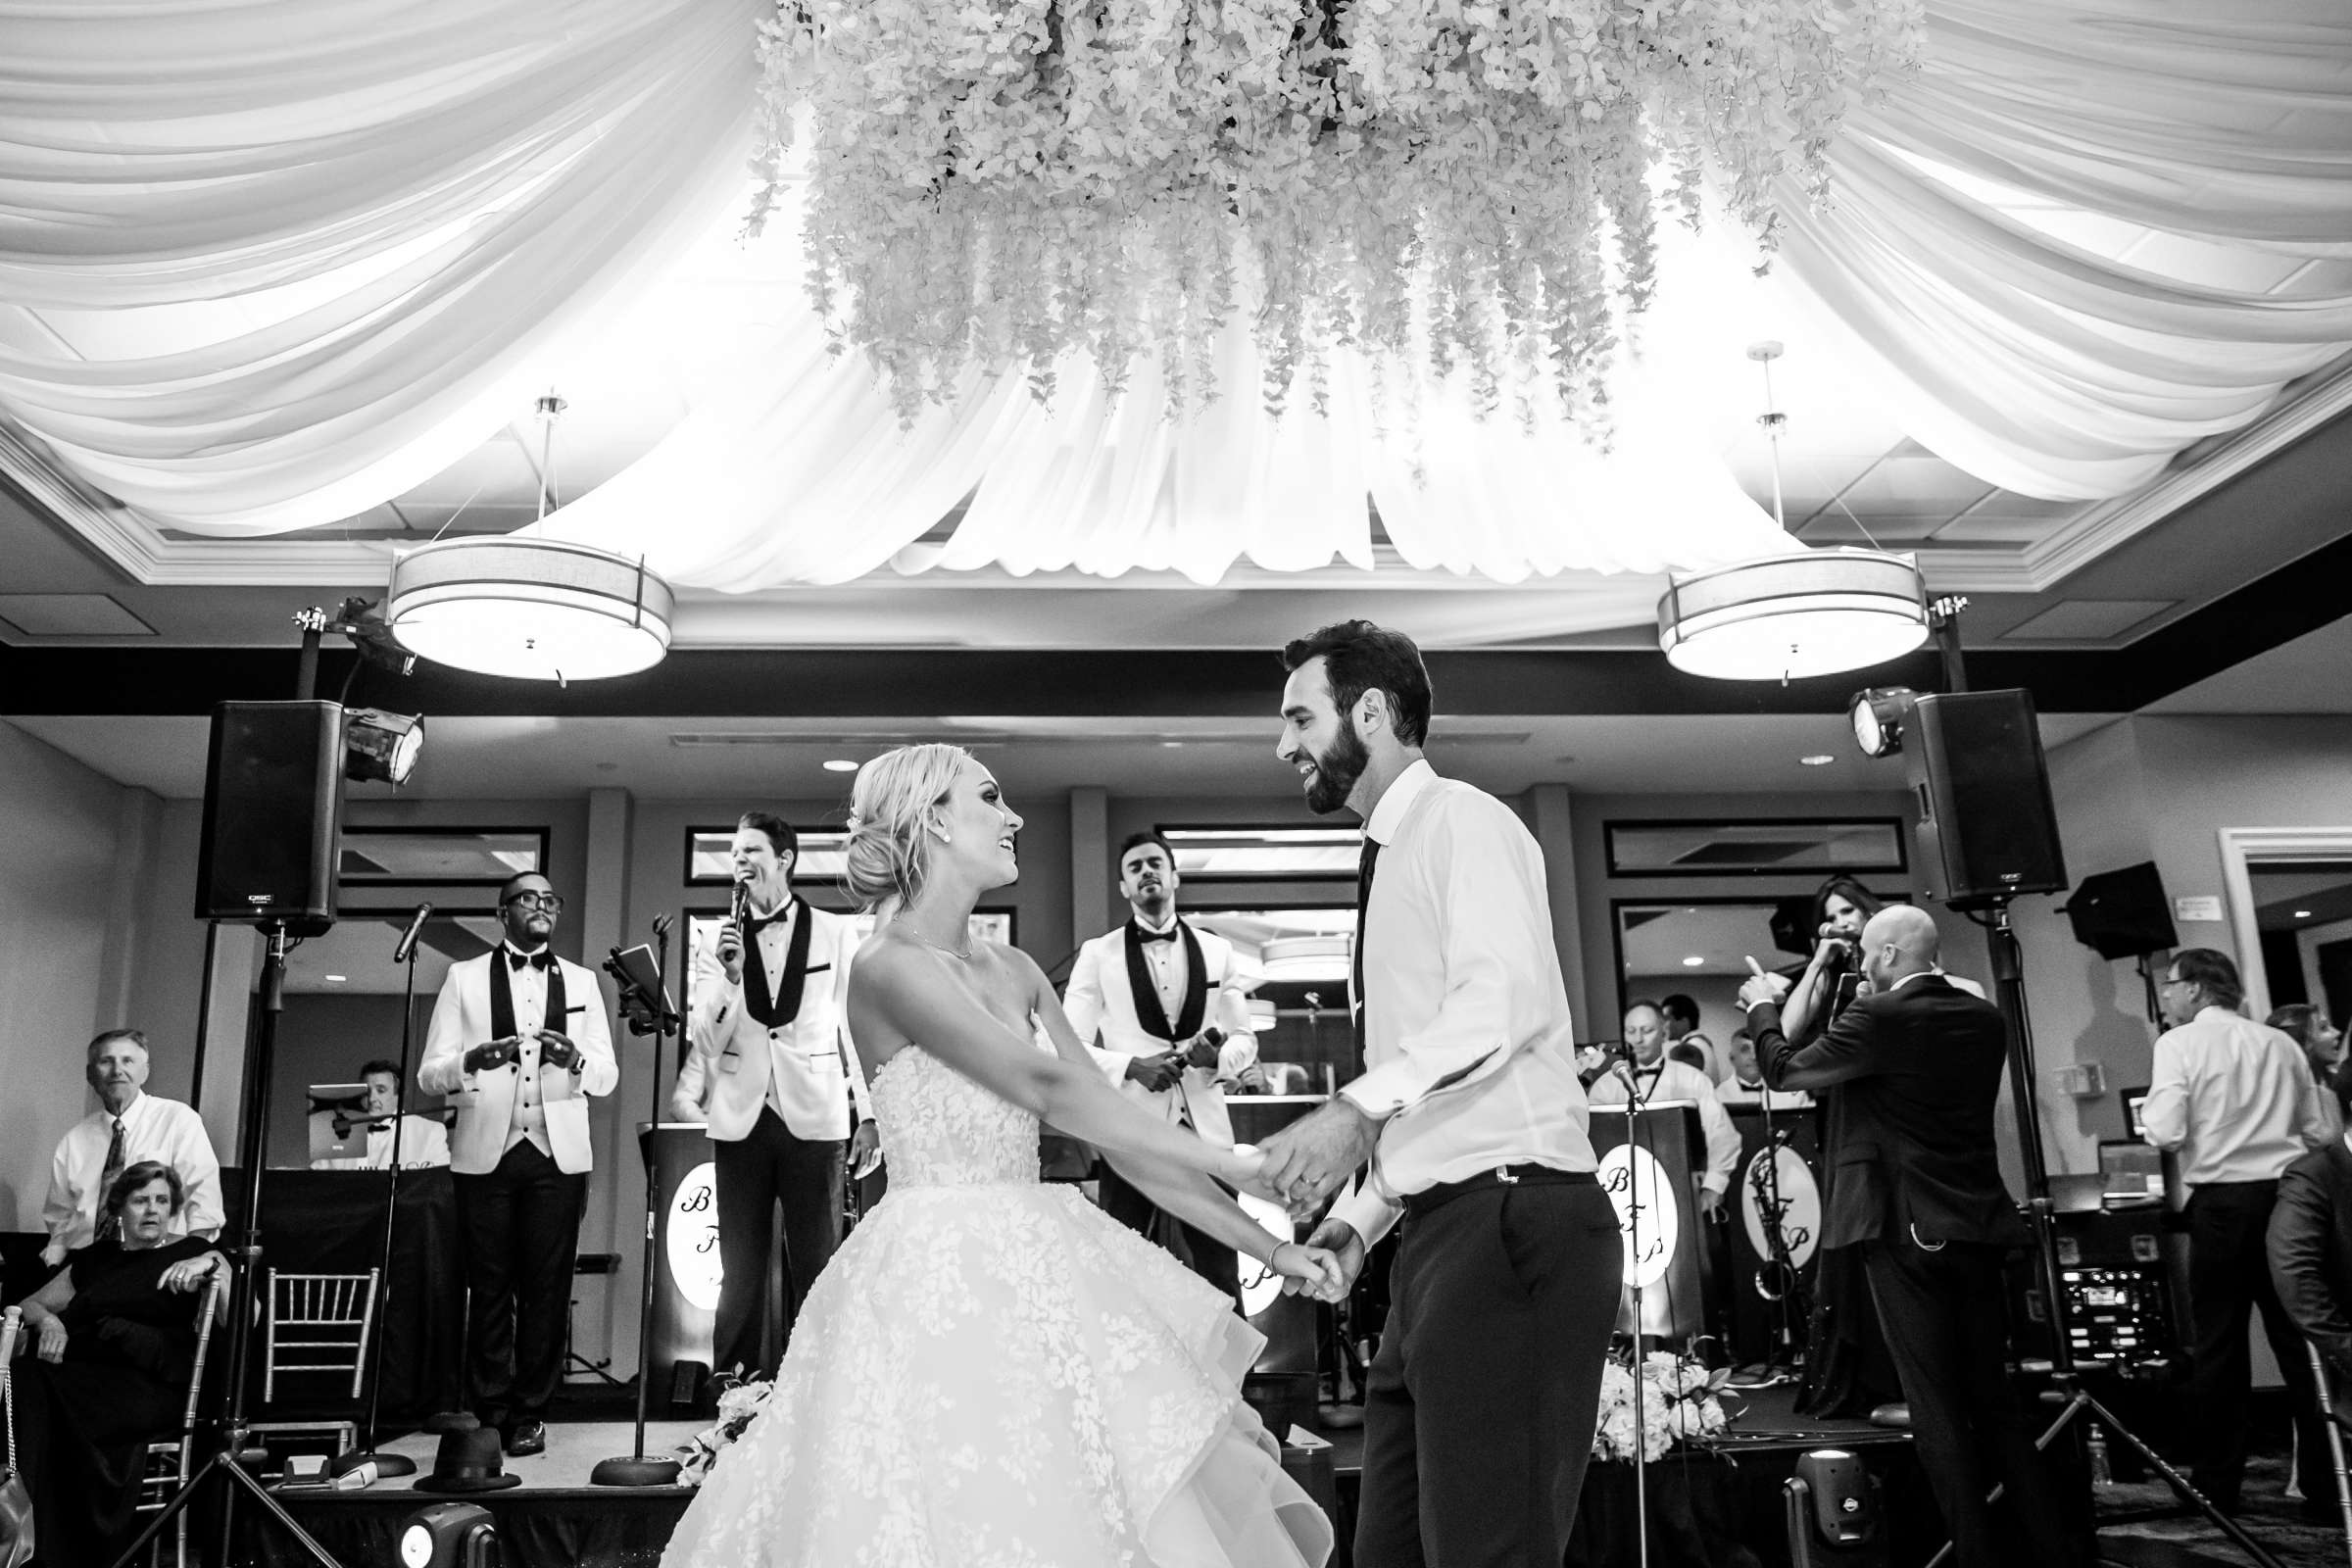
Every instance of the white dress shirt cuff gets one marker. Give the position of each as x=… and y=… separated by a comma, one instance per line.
x=1367, y=1213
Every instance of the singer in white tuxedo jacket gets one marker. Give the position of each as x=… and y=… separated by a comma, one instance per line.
x=518, y=1043
x=1169, y=1005
x=771, y=1072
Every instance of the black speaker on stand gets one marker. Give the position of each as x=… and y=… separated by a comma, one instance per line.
x=1988, y=828
x=273, y=815
x=272, y=829
x=2124, y=914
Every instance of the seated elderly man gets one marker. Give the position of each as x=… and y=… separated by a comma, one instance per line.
x=2310, y=1251
x=130, y=1125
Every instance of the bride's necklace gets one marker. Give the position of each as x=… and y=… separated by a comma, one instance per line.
x=908, y=927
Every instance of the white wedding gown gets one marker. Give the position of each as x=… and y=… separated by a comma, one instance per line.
x=992, y=1373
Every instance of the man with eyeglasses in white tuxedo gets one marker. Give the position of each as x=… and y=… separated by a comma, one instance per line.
x=519, y=1044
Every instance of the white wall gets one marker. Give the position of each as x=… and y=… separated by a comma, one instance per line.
x=59, y=827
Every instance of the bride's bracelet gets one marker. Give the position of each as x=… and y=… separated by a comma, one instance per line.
x=1273, y=1258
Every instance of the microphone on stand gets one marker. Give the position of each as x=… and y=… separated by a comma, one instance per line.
x=408, y=937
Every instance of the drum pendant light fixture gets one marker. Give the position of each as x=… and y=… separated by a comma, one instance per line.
x=1788, y=617
x=530, y=609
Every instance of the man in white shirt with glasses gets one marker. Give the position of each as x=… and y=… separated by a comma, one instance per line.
x=2233, y=1100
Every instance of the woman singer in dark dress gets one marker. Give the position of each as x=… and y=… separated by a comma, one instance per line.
x=1847, y=1370
x=107, y=1350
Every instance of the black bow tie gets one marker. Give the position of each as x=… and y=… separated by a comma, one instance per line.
x=761, y=922
x=1169, y=935
x=537, y=961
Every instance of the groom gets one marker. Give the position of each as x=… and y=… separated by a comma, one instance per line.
x=1479, y=1405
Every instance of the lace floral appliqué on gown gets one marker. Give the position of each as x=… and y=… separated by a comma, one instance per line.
x=992, y=1373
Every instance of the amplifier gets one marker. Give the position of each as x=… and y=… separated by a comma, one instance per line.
x=2119, y=1316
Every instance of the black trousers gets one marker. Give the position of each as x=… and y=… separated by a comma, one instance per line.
x=1479, y=1407
x=1206, y=1256
x=1945, y=1317
x=766, y=1167
x=522, y=1224
x=2229, y=1278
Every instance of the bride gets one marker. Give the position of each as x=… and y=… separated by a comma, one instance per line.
x=992, y=1371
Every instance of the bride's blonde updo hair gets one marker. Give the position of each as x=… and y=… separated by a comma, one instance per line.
x=894, y=812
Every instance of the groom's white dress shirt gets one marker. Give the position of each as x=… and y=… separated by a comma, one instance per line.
x=1469, y=1053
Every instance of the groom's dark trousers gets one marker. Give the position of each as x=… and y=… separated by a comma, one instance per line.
x=1479, y=1407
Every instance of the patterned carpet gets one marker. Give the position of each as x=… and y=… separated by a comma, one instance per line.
x=2273, y=1519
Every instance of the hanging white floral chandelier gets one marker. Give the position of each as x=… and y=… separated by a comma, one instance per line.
x=1448, y=186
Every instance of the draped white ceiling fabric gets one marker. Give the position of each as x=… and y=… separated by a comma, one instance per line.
x=268, y=263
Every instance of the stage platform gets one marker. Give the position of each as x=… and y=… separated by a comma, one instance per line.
x=1703, y=1499
x=554, y=1519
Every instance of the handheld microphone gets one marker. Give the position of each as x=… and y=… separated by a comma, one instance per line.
x=408, y=937
x=739, y=906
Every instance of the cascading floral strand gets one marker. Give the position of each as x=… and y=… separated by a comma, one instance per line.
x=1469, y=186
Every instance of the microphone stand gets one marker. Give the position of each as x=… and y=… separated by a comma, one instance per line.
x=634, y=1469
x=389, y=1464
x=1633, y=1215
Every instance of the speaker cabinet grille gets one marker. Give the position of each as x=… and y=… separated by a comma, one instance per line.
x=1988, y=828
x=272, y=814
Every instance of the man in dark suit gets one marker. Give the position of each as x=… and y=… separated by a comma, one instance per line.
x=1915, y=1066
x=2309, y=1246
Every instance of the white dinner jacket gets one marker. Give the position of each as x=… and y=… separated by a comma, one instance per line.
x=733, y=1057
x=1100, y=1003
x=485, y=1101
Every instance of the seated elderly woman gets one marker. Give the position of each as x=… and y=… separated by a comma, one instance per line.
x=108, y=1348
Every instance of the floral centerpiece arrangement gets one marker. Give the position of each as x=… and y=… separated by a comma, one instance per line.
x=1679, y=1402
x=1471, y=186
x=736, y=1407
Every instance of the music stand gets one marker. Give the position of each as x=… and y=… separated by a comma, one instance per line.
x=644, y=994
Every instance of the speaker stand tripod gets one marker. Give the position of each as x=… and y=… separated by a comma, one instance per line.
x=228, y=1469
x=2009, y=983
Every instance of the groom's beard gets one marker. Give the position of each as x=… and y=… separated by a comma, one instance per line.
x=1337, y=770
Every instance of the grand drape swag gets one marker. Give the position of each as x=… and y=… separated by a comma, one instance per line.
x=270, y=265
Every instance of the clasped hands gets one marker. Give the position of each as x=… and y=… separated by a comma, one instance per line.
x=555, y=1051
x=1299, y=1167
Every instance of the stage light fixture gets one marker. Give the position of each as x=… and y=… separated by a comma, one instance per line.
x=449, y=1535
x=1878, y=715
x=378, y=744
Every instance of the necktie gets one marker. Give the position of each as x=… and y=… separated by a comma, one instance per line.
x=1363, y=906
x=1169, y=935
x=108, y=1177
x=537, y=961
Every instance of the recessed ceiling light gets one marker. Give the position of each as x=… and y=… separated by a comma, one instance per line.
x=338, y=979
x=1171, y=745
x=2302, y=914
x=840, y=764
x=1693, y=961
x=1818, y=760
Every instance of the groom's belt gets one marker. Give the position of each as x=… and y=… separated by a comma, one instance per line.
x=1421, y=1203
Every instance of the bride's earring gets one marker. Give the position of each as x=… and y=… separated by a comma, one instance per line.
x=940, y=833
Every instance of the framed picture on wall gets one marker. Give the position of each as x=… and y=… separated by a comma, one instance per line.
x=711, y=861
x=439, y=856
x=1757, y=847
